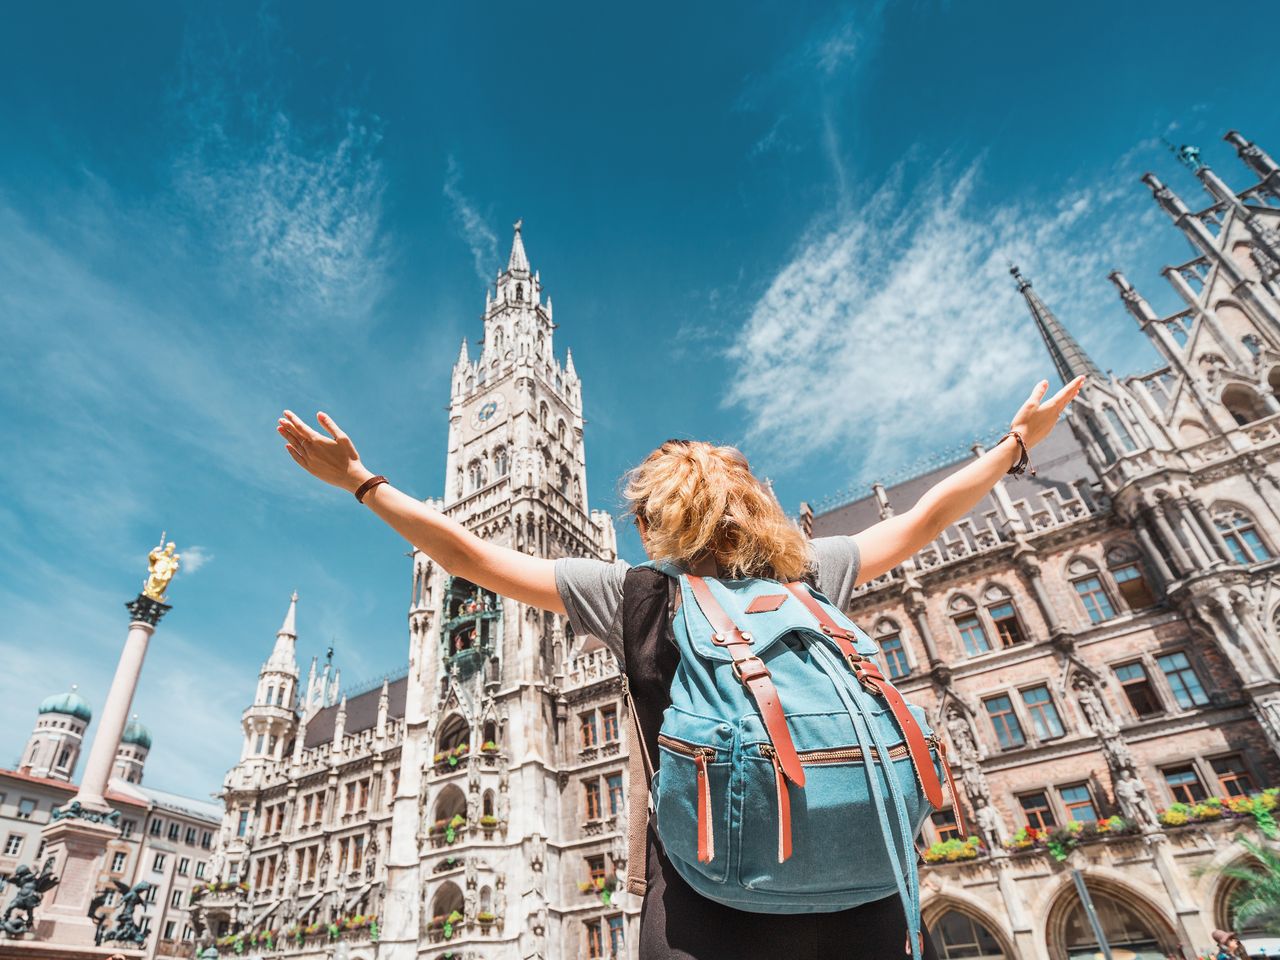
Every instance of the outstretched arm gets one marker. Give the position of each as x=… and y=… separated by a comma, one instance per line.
x=334, y=460
x=885, y=545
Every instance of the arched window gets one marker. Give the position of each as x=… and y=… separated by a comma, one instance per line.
x=1091, y=590
x=542, y=343
x=486, y=805
x=448, y=902
x=454, y=733
x=271, y=695
x=1191, y=432
x=519, y=292
x=482, y=375
x=1118, y=428
x=560, y=431
x=1100, y=439
x=471, y=384
x=498, y=340
x=543, y=415
x=1242, y=538
x=500, y=463
x=956, y=935
x=1004, y=616
x=1124, y=929
x=1244, y=405
x=1131, y=580
x=964, y=614
x=893, y=654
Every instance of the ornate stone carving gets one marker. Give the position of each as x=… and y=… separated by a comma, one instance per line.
x=126, y=929
x=990, y=827
x=1131, y=795
x=74, y=811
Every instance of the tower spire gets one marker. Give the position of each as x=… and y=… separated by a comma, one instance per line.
x=1068, y=356
x=518, y=259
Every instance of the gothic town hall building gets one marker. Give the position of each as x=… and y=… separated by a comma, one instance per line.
x=1099, y=642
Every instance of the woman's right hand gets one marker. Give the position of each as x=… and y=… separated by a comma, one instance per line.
x=332, y=459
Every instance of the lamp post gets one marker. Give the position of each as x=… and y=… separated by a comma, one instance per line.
x=1087, y=902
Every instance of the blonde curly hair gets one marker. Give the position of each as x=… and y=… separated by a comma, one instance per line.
x=697, y=499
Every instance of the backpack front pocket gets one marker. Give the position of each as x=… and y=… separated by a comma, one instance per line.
x=834, y=844
x=691, y=797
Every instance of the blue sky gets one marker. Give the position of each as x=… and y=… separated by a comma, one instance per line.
x=779, y=225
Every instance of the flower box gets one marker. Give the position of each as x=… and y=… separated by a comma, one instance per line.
x=954, y=850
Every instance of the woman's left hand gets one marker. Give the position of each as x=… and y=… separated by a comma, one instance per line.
x=1034, y=420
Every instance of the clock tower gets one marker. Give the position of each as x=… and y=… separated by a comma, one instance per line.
x=488, y=794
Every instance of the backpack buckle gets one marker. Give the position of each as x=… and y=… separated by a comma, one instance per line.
x=754, y=664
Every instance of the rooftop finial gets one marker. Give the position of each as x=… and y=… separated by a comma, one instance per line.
x=1069, y=358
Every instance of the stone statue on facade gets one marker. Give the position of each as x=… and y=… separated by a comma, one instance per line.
x=473, y=808
x=1091, y=706
x=1131, y=795
x=963, y=741
x=989, y=826
x=162, y=564
x=32, y=887
x=126, y=928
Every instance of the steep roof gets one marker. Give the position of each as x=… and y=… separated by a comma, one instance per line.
x=362, y=713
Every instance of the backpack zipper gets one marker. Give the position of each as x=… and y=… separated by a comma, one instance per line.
x=687, y=749
x=899, y=751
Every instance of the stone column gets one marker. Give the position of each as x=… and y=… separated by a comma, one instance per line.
x=1171, y=539
x=1195, y=540
x=76, y=837
x=1152, y=550
x=1210, y=528
x=1030, y=569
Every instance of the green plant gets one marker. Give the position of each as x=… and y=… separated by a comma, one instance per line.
x=949, y=851
x=1257, y=902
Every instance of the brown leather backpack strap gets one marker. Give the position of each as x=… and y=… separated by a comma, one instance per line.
x=869, y=676
x=750, y=669
x=640, y=774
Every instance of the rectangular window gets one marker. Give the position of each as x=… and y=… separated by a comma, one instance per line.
x=364, y=795
x=243, y=823
x=117, y=861
x=26, y=807
x=609, y=723
x=184, y=866
x=1184, y=784
x=357, y=852
x=157, y=865
x=1096, y=602
x=1079, y=803
x=1005, y=722
x=944, y=824
x=262, y=742
x=614, y=783
x=1137, y=688
x=973, y=635
x=13, y=844
x=1133, y=586
x=895, y=656
x=171, y=926
x=595, y=869
x=592, y=788
x=351, y=797
x=1035, y=806
x=157, y=827
x=233, y=871
x=587, y=729
x=1006, y=623
x=595, y=940
x=175, y=901
x=127, y=827
x=188, y=933
x=189, y=838
x=40, y=849
x=1233, y=779
x=174, y=830
x=1183, y=680
x=617, y=948
x=1044, y=715
x=342, y=855
x=206, y=839
x=200, y=870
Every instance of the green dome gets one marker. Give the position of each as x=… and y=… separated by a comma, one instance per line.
x=136, y=734
x=70, y=703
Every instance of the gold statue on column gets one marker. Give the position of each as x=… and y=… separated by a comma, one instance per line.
x=162, y=564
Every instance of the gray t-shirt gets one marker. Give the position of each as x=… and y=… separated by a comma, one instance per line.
x=591, y=590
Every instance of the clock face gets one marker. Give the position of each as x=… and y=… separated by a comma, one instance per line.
x=484, y=413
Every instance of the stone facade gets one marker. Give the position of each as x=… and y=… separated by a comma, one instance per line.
x=163, y=839
x=474, y=803
x=1103, y=639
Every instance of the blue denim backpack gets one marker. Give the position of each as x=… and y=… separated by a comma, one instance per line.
x=792, y=776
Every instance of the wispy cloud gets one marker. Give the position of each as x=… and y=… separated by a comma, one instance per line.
x=295, y=212
x=895, y=325
x=481, y=240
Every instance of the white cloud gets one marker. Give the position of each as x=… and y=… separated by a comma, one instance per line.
x=194, y=557
x=895, y=327
x=480, y=240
